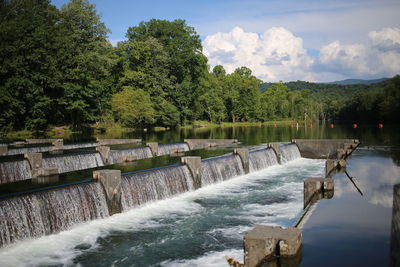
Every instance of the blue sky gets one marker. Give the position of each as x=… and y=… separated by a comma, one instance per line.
x=279, y=40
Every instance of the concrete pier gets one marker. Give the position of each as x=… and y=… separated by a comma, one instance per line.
x=104, y=153
x=317, y=188
x=110, y=142
x=194, y=165
x=3, y=150
x=204, y=143
x=331, y=166
x=111, y=183
x=58, y=145
x=34, y=159
x=277, y=148
x=153, y=147
x=264, y=242
x=244, y=156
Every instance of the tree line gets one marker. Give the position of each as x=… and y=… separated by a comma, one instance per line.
x=58, y=68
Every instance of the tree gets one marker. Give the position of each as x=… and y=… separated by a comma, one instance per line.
x=187, y=63
x=87, y=60
x=28, y=69
x=133, y=108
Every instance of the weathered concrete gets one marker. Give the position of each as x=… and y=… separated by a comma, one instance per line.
x=18, y=143
x=128, y=158
x=395, y=230
x=104, y=153
x=41, y=141
x=331, y=166
x=109, y=142
x=111, y=183
x=3, y=150
x=317, y=188
x=194, y=165
x=34, y=159
x=153, y=147
x=341, y=153
x=323, y=148
x=204, y=143
x=58, y=145
x=244, y=156
x=277, y=149
x=42, y=172
x=264, y=242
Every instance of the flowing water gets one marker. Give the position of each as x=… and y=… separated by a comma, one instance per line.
x=168, y=148
x=11, y=171
x=289, y=152
x=46, y=212
x=142, y=187
x=196, y=228
x=262, y=158
x=73, y=162
x=218, y=169
x=116, y=156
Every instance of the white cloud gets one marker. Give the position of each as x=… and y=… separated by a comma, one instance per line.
x=379, y=57
x=275, y=55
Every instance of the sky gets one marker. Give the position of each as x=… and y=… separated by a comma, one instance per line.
x=311, y=40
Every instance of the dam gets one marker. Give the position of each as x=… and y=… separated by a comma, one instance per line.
x=165, y=209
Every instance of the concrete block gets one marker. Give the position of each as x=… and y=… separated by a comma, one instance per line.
x=128, y=159
x=204, y=143
x=104, y=153
x=341, y=153
x=111, y=183
x=317, y=188
x=321, y=148
x=153, y=147
x=264, y=242
x=109, y=142
x=34, y=159
x=277, y=149
x=58, y=144
x=42, y=172
x=342, y=164
x=244, y=156
x=194, y=165
x=330, y=167
x=3, y=150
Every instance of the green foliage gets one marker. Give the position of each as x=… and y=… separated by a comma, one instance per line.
x=57, y=68
x=133, y=108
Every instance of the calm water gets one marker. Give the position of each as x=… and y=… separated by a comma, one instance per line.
x=199, y=228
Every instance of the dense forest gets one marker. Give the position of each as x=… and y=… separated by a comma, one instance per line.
x=58, y=68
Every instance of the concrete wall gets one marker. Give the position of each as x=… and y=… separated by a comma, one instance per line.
x=322, y=148
x=109, y=142
x=204, y=143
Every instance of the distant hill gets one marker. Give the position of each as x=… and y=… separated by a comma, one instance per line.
x=358, y=81
x=326, y=92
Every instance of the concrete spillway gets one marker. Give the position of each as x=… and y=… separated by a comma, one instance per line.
x=50, y=211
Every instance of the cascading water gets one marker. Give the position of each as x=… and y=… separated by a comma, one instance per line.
x=261, y=159
x=218, y=169
x=116, y=156
x=141, y=187
x=51, y=211
x=23, y=150
x=12, y=171
x=167, y=149
x=289, y=152
x=73, y=162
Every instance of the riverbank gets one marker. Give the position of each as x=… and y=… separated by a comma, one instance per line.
x=115, y=130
